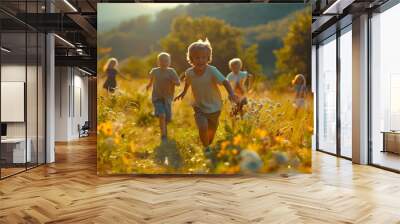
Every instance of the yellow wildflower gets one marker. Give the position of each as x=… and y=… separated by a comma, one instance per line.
x=253, y=147
x=261, y=133
x=221, y=153
x=224, y=144
x=237, y=139
x=107, y=128
x=100, y=127
x=279, y=139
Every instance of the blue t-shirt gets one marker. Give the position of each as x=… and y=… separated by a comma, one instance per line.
x=237, y=81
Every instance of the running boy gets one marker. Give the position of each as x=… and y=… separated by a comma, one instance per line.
x=203, y=79
x=163, y=79
x=237, y=78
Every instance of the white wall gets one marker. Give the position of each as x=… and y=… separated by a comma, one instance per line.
x=61, y=103
x=80, y=104
x=71, y=94
x=12, y=73
x=33, y=127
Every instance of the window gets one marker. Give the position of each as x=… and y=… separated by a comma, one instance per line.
x=327, y=95
x=346, y=95
x=23, y=79
x=385, y=88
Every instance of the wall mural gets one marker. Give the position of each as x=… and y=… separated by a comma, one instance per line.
x=204, y=88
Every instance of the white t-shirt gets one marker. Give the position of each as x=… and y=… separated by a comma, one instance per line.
x=206, y=94
x=164, y=83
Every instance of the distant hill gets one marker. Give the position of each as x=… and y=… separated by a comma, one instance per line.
x=243, y=14
x=264, y=24
x=113, y=14
x=269, y=38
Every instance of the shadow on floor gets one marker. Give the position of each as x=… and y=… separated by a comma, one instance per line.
x=167, y=154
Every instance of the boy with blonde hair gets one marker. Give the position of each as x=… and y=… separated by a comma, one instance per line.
x=237, y=78
x=163, y=79
x=204, y=80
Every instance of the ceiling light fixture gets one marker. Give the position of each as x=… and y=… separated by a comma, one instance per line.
x=331, y=7
x=70, y=5
x=65, y=41
x=79, y=51
x=5, y=50
x=84, y=71
x=337, y=7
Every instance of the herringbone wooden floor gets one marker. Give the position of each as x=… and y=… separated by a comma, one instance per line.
x=69, y=191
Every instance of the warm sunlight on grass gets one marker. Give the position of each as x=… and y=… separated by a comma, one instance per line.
x=269, y=138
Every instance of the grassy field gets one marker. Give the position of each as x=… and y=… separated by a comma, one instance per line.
x=270, y=138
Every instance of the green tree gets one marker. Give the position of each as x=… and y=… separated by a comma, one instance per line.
x=134, y=67
x=227, y=43
x=295, y=55
x=133, y=38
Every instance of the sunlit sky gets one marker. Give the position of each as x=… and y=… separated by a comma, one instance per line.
x=110, y=14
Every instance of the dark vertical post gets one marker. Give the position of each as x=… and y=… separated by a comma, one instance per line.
x=37, y=88
x=369, y=89
x=45, y=89
x=26, y=86
x=338, y=73
x=317, y=97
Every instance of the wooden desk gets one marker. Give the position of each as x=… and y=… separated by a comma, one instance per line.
x=391, y=141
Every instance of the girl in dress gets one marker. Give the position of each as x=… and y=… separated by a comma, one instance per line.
x=299, y=84
x=110, y=69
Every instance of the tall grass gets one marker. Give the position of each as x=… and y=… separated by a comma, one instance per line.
x=269, y=137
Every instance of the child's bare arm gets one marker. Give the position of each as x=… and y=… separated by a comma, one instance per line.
x=175, y=79
x=229, y=89
x=150, y=83
x=182, y=77
x=183, y=93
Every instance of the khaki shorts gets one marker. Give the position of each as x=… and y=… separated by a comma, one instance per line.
x=206, y=120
